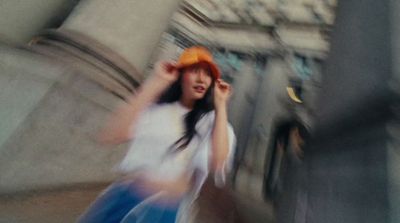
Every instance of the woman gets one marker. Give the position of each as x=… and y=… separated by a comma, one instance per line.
x=179, y=129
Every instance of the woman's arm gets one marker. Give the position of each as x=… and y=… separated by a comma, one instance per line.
x=118, y=128
x=220, y=140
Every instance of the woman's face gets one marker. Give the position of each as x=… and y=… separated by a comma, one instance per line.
x=196, y=80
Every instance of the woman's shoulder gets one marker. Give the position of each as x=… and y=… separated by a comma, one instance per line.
x=158, y=107
x=152, y=111
x=207, y=119
x=211, y=115
x=159, y=111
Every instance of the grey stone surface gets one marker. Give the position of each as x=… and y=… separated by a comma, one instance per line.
x=346, y=166
x=49, y=126
x=241, y=105
x=394, y=128
x=53, y=109
x=24, y=80
x=268, y=110
x=266, y=12
x=20, y=20
x=131, y=28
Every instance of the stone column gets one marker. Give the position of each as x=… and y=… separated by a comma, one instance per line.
x=55, y=105
x=131, y=29
x=114, y=38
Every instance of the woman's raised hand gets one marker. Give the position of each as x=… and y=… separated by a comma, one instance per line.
x=222, y=92
x=167, y=70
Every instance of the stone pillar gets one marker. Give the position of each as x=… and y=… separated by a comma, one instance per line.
x=393, y=154
x=113, y=40
x=346, y=161
x=54, y=105
x=131, y=29
x=21, y=20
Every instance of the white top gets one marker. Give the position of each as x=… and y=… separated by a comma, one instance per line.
x=157, y=129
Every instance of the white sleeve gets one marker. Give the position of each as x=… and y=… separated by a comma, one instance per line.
x=142, y=122
x=220, y=175
x=203, y=156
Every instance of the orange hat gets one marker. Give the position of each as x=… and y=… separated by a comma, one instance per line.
x=198, y=54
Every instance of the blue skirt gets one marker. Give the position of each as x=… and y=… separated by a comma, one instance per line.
x=121, y=204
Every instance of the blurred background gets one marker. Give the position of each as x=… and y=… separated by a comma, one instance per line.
x=314, y=106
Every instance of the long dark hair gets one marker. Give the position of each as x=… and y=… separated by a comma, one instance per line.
x=201, y=107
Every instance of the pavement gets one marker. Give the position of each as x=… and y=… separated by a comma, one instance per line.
x=64, y=205
x=59, y=205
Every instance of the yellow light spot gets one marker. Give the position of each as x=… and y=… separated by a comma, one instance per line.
x=292, y=95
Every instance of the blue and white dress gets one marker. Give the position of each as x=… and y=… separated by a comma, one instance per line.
x=159, y=127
